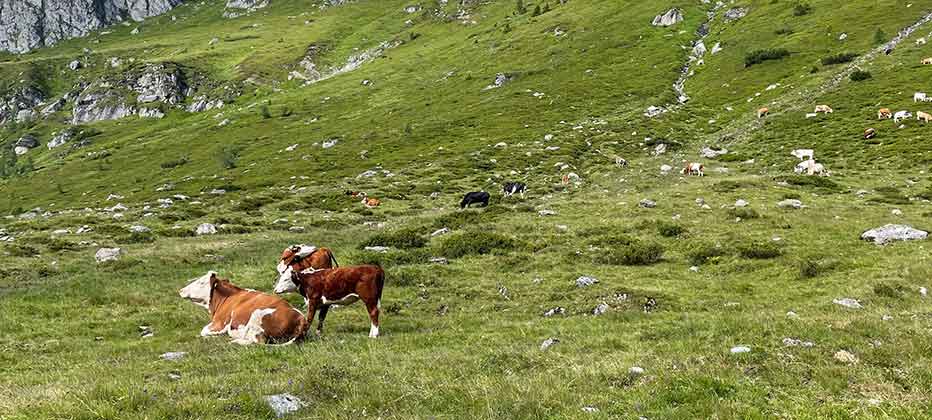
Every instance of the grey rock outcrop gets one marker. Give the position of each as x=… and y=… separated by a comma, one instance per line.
x=160, y=83
x=29, y=24
x=237, y=8
x=100, y=102
x=892, y=233
x=21, y=99
x=672, y=17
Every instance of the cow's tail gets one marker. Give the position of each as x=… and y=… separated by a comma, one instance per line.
x=380, y=283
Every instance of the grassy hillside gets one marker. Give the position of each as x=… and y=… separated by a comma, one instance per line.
x=463, y=340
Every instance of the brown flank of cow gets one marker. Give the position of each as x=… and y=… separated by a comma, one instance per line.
x=342, y=286
x=232, y=306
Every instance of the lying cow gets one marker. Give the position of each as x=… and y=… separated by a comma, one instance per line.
x=920, y=97
x=811, y=167
x=337, y=286
x=475, y=197
x=924, y=117
x=884, y=114
x=825, y=109
x=870, y=133
x=927, y=61
x=763, y=112
x=803, y=154
x=693, y=168
x=303, y=257
x=512, y=188
x=901, y=115
x=246, y=315
x=371, y=202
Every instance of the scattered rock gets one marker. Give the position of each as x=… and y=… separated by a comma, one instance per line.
x=139, y=229
x=670, y=18
x=108, y=254
x=586, y=281
x=793, y=342
x=559, y=310
x=439, y=260
x=891, y=233
x=206, y=229
x=283, y=404
x=543, y=213
x=601, y=309
x=590, y=409
x=741, y=203
x=379, y=249
x=441, y=231
x=173, y=355
x=647, y=204
x=501, y=79
x=848, y=303
x=711, y=153
x=548, y=343
x=635, y=371
x=790, y=204
x=845, y=357
x=736, y=13
x=653, y=111
x=740, y=349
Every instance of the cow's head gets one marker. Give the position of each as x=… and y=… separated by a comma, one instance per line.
x=291, y=256
x=288, y=280
x=200, y=289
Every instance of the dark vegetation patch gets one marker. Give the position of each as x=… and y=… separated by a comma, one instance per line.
x=892, y=290
x=706, y=253
x=760, y=250
x=730, y=186
x=760, y=56
x=814, y=266
x=468, y=218
x=476, y=243
x=860, y=76
x=889, y=195
x=620, y=249
x=745, y=213
x=402, y=239
x=21, y=250
x=394, y=258
x=839, y=58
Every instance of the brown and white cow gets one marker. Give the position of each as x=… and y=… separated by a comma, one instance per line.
x=927, y=61
x=337, y=286
x=823, y=109
x=246, y=315
x=693, y=168
x=870, y=133
x=923, y=116
x=884, y=114
x=303, y=257
x=763, y=112
x=371, y=202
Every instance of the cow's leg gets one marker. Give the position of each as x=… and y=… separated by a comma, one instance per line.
x=373, y=307
x=311, y=309
x=323, y=315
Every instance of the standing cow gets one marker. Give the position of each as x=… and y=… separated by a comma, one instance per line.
x=693, y=168
x=246, y=315
x=475, y=197
x=512, y=188
x=303, y=257
x=337, y=286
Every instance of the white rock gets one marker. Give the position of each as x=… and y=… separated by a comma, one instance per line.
x=741, y=203
x=442, y=231
x=635, y=371
x=848, y=303
x=890, y=233
x=548, y=343
x=543, y=213
x=600, y=309
x=206, y=229
x=740, y=349
x=283, y=404
x=139, y=229
x=173, y=355
x=790, y=204
x=379, y=249
x=586, y=281
x=845, y=357
x=108, y=254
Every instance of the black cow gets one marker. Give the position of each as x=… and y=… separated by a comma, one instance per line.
x=475, y=197
x=511, y=188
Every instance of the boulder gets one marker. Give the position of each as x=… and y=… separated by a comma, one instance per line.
x=586, y=281
x=284, y=404
x=736, y=13
x=670, y=18
x=139, y=229
x=790, y=204
x=100, y=102
x=173, y=355
x=19, y=99
x=160, y=83
x=647, y=204
x=108, y=254
x=892, y=233
x=548, y=343
x=205, y=229
x=711, y=153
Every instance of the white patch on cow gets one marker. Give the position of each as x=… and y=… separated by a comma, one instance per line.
x=198, y=291
x=305, y=251
x=207, y=332
x=284, y=284
x=373, y=331
x=378, y=304
x=345, y=300
x=252, y=332
x=281, y=267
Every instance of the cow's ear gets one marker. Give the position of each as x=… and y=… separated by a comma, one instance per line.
x=214, y=280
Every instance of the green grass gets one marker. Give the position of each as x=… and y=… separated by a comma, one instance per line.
x=462, y=340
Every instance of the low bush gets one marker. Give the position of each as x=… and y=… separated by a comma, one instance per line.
x=839, y=58
x=760, y=250
x=670, y=230
x=21, y=250
x=705, y=253
x=634, y=253
x=760, y=56
x=812, y=267
x=745, y=213
x=819, y=182
x=860, y=76
x=802, y=9
x=476, y=243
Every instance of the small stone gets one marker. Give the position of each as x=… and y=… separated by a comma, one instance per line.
x=740, y=349
x=283, y=404
x=379, y=249
x=790, y=204
x=439, y=260
x=586, y=281
x=544, y=213
x=173, y=355
x=845, y=357
x=647, y=204
x=792, y=315
x=205, y=229
x=886, y=318
x=635, y=371
x=694, y=269
x=139, y=229
x=741, y=203
x=548, y=343
x=590, y=409
x=442, y=231
x=559, y=310
x=602, y=308
x=108, y=254
x=848, y=303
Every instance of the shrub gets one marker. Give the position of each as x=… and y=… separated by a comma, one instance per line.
x=475, y=243
x=634, y=253
x=264, y=110
x=889, y=195
x=670, y=230
x=250, y=204
x=536, y=11
x=394, y=258
x=136, y=238
x=802, y=9
x=760, y=56
x=889, y=290
x=20, y=250
x=811, y=267
x=705, y=253
x=520, y=8
x=744, y=213
x=880, y=37
x=810, y=181
x=171, y=164
x=760, y=250
x=227, y=156
x=860, y=75
x=403, y=239
x=839, y=58
x=786, y=30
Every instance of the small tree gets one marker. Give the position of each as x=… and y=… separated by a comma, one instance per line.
x=536, y=11
x=520, y=8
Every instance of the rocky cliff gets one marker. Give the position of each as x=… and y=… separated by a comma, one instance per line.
x=28, y=24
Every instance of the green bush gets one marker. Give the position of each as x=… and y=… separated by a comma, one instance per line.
x=745, y=213
x=670, y=230
x=475, y=243
x=840, y=58
x=760, y=56
x=802, y=9
x=786, y=30
x=860, y=76
x=812, y=267
x=634, y=253
x=705, y=253
x=394, y=258
x=889, y=290
x=228, y=156
x=402, y=239
x=250, y=204
x=760, y=250
x=20, y=250
x=171, y=164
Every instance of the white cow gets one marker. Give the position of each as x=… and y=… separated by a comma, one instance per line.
x=810, y=167
x=901, y=115
x=920, y=97
x=803, y=154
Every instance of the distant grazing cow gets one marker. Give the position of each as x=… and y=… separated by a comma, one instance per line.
x=823, y=109
x=870, y=133
x=693, y=168
x=512, y=188
x=927, y=61
x=901, y=115
x=371, y=202
x=337, y=286
x=811, y=167
x=920, y=97
x=475, y=197
x=803, y=154
x=924, y=117
x=763, y=112
x=620, y=161
x=303, y=257
x=246, y=315
x=884, y=114
x=355, y=194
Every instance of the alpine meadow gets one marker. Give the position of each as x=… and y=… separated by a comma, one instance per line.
x=542, y=209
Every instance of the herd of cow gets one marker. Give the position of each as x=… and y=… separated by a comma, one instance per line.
x=250, y=316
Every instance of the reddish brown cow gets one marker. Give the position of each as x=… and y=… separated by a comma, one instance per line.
x=303, y=257
x=338, y=286
x=246, y=315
